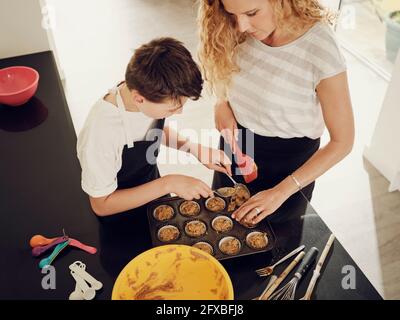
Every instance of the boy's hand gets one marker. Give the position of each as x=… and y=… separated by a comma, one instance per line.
x=187, y=188
x=212, y=158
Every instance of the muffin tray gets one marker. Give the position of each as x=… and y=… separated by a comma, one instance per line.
x=211, y=237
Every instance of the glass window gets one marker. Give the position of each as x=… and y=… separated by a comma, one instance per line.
x=371, y=29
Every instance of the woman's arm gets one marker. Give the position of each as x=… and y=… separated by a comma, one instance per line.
x=226, y=123
x=334, y=96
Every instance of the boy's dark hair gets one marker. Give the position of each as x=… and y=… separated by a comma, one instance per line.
x=164, y=69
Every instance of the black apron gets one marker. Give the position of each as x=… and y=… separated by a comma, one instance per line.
x=276, y=158
x=127, y=234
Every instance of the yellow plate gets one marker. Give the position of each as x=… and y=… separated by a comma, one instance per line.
x=173, y=272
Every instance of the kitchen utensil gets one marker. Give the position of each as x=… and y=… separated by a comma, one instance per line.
x=266, y=294
x=173, y=272
x=77, y=294
x=225, y=195
x=219, y=194
x=266, y=271
x=37, y=251
x=47, y=261
x=288, y=291
x=317, y=269
x=211, y=236
x=17, y=85
x=270, y=283
x=233, y=180
x=246, y=164
x=80, y=245
x=88, y=293
x=237, y=184
x=39, y=240
x=80, y=269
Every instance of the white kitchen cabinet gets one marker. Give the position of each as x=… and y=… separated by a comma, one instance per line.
x=384, y=149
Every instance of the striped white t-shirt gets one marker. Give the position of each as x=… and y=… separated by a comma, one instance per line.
x=274, y=92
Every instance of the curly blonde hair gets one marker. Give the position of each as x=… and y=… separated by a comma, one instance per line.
x=219, y=36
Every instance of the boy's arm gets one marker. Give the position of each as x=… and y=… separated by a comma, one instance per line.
x=122, y=200
x=213, y=159
x=126, y=199
x=173, y=140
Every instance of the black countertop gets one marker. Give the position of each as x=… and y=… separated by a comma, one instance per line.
x=41, y=194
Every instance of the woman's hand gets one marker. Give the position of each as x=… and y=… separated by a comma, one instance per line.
x=226, y=123
x=186, y=187
x=211, y=158
x=260, y=206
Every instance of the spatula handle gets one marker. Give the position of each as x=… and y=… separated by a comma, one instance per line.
x=305, y=264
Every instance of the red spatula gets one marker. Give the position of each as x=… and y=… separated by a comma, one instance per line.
x=246, y=164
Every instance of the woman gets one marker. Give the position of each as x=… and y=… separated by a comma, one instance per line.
x=277, y=70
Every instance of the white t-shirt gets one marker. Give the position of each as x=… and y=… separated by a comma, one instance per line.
x=101, y=142
x=274, y=92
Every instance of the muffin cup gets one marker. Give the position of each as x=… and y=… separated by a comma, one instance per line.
x=163, y=205
x=206, y=244
x=165, y=227
x=243, y=187
x=248, y=225
x=192, y=222
x=209, y=199
x=256, y=233
x=190, y=215
x=230, y=191
x=222, y=218
x=227, y=239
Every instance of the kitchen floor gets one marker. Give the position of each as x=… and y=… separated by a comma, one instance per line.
x=95, y=39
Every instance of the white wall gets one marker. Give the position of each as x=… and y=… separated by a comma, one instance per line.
x=21, y=29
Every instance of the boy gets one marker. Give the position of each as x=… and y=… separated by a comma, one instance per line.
x=119, y=143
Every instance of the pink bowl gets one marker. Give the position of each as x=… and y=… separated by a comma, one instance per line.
x=17, y=85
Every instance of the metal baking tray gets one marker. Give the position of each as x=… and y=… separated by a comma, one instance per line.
x=211, y=236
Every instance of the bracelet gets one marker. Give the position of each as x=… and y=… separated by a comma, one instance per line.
x=296, y=182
